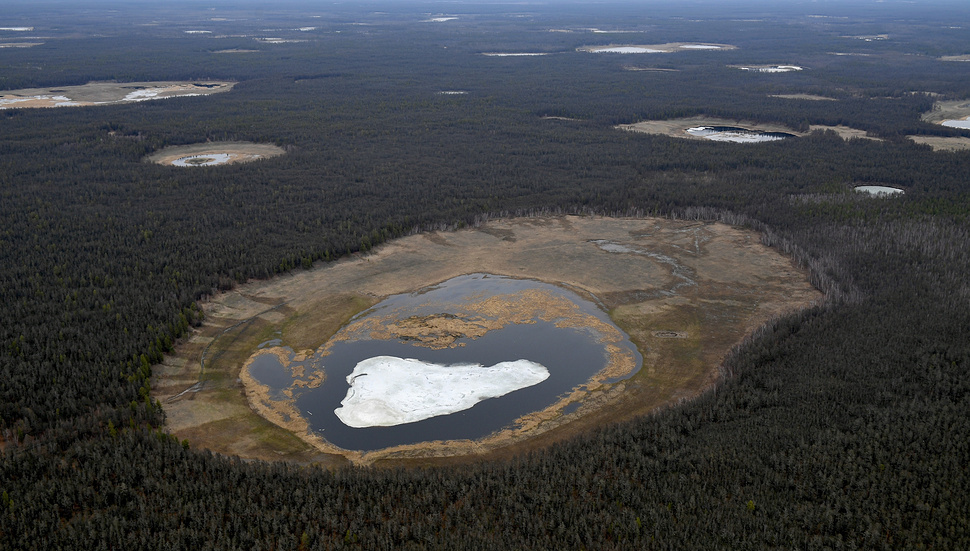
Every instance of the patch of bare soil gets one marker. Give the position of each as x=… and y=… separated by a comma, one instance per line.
x=677, y=128
x=940, y=143
x=237, y=152
x=105, y=93
x=685, y=293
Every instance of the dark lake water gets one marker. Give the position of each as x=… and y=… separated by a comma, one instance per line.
x=572, y=355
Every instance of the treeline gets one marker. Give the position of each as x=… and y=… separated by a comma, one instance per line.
x=842, y=426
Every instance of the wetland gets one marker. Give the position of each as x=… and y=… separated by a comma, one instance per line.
x=625, y=314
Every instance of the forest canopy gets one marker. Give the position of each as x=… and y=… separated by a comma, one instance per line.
x=842, y=426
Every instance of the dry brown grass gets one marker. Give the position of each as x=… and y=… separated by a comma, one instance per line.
x=738, y=285
x=940, y=143
x=845, y=132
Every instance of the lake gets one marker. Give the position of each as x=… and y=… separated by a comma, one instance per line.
x=477, y=319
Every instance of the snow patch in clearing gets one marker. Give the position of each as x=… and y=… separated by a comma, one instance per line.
x=773, y=69
x=10, y=101
x=957, y=123
x=278, y=40
x=212, y=159
x=879, y=191
x=497, y=54
x=386, y=391
x=627, y=50
x=146, y=94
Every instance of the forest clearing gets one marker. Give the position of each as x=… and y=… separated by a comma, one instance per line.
x=706, y=285
x=104, y=93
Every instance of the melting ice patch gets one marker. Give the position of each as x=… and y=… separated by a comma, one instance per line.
x=627, y=50
x=386, y=391
x=512, y=54
x=879, y=191
x=737, y=135
x=957, y=123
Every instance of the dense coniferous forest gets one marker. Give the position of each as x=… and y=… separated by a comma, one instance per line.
x=844, y=426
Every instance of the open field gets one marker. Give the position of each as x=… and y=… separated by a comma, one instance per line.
x=940, y=143
x=685, y=292
x=224, y=152
x=103, y=93
x=845, y=132
x=677, y=128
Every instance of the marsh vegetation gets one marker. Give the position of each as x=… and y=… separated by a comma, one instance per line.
x=837, y=426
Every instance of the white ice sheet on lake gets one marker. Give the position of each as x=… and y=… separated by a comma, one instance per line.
x=627, y=50
x=386, y=391
x=957, y=123
x=879, y=190
x=214, y=159
x=736, y=136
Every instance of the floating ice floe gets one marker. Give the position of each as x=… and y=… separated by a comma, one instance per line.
x=439, y=19
x=386, y=391
x=17, y=29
